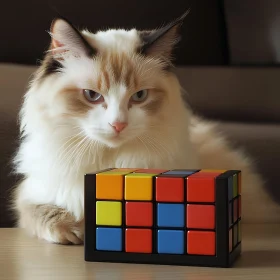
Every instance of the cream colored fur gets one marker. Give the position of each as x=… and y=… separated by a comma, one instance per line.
x=59, y=147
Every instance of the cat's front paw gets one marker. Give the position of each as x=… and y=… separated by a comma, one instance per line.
x=60, y=226
x=68, y=232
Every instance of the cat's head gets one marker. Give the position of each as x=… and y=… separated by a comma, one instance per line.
x=115, y=85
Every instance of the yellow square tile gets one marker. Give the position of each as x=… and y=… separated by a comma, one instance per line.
x=138, y=186
x=109, y=213
x=109, y=186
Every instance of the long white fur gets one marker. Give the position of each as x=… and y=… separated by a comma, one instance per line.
x=172, y=139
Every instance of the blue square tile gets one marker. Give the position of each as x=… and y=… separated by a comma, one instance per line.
x=170, y=215
x=180, y=172
x=170, y=242
x=109, y=239
x=230, y=188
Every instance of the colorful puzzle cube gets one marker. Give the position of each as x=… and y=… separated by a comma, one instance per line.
x=173, y=217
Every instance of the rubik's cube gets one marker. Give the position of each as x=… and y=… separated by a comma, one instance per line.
x=173, y=217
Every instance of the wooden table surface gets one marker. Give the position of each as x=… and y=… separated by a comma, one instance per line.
x=24, y=258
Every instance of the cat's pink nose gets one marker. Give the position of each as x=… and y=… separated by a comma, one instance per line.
x=119, y=126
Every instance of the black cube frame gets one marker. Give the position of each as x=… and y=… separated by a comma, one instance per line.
x=222, y=258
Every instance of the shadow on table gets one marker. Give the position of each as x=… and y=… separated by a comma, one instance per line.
x=259, y=259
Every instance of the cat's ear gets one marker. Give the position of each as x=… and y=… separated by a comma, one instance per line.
x=66, y=37
x=159, y=43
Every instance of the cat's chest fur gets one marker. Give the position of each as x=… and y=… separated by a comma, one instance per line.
x=167, y=154
x=63, y=184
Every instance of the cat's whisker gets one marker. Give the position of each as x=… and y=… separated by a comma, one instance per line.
x=78, y=148
x=95, y=154
x=68, y=129
x=156, y=143
x=147, y=148
x=151, y=144
x=97, y=128
x=67, y=125
x=87, y=152
x=156, y=127
x=66, y=146
x=92, y=152
x=73, y=135
x=68, y=143
x=90, y=156
x=71, y=156
x=81, y=154
x=162, y=125
x=162, y=145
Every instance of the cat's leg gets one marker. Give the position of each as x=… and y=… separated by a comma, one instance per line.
x=51, y=223
x=43, y=219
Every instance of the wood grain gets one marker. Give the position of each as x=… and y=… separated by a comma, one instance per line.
x=24, y=258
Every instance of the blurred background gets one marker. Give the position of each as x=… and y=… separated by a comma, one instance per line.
x=228, y=61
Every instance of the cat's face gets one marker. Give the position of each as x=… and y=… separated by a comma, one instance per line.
x=114, y=85
x=115, y=98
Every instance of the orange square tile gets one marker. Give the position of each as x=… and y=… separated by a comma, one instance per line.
x=109, y=186
x=138, y=240
x=201, y=243
x=200, y=216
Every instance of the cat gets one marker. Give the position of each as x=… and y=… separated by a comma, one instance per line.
x=111, y=99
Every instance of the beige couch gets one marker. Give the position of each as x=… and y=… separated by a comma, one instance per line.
x=246, y=101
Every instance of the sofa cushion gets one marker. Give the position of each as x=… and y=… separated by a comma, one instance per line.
x=233, y=94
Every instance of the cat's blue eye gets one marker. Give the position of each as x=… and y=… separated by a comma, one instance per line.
x=93, y=96
x=139, y=96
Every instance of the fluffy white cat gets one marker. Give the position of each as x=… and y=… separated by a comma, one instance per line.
x=110, y=99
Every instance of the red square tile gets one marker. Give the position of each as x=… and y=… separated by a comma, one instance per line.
x=201, y=243
x=139, y=214
x=201, y=187
x=200, y=216
x=138, y=240
x=169, y=189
